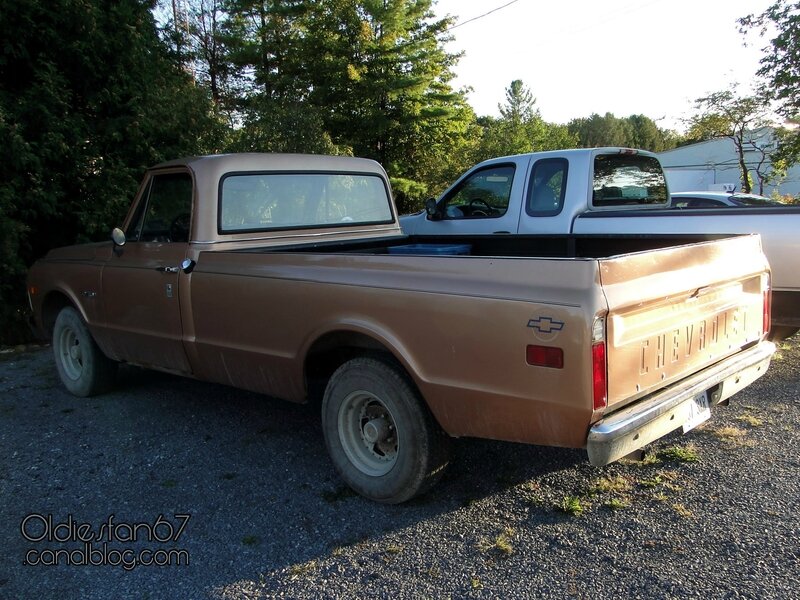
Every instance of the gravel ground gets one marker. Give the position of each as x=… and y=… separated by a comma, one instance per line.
x=240, y=487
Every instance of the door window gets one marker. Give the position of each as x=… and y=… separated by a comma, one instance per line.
x=483, y=194
x=547, y=187
x=165, y=214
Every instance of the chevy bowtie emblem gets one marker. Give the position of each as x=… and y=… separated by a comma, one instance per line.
x=545, y=325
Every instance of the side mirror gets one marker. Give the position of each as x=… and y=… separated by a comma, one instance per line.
x=432, y=209
x=118, y=237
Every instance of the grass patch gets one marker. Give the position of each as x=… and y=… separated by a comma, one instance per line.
x=730, y=433
x=682, y=511
x=751, y=420
x=250, y=540
x=501, y=543
x=302, y=570
x=228, y=476
x=663, y=480
x=571, y=505
x=169, y=483
x=611, y=485
x=687, y=453
x=617, y=503
x=733, y=436
x=651, y=482
x=650, y=459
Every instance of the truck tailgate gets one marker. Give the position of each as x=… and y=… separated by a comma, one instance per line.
x=675, y=311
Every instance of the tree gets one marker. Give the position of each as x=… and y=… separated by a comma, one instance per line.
x=780, y=65
x=520, y=106
x=520, y=127
x=89, y=97
x=780, y=68
x=596, y=131
x=387, y=89
x=742, y=120
x=380, y=76
x=635, y=131
x=207, y=24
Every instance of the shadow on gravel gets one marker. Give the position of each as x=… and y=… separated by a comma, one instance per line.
x=252, y=472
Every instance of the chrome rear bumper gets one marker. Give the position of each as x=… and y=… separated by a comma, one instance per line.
x=651, y=418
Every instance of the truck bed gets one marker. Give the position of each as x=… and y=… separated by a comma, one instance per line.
x=590, y=246
x=668, y=314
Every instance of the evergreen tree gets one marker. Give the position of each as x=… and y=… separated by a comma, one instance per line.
x=88, y=98
x=520, y=127
x=520, y=106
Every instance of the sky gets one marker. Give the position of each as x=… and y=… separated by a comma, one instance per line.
x=578, y=57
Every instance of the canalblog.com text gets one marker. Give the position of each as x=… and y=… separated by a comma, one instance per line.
x=71, y=542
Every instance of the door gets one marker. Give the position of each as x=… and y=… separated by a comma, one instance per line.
x=141, y=282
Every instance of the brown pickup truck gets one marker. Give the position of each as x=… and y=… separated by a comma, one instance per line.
x=289, y=275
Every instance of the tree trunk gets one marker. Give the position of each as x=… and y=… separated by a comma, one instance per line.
x=739, y=143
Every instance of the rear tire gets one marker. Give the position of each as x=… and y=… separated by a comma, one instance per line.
x=83, y=368
x=381, y=437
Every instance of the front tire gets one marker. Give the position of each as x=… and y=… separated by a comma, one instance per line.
x=82, y=367
x=381, y=437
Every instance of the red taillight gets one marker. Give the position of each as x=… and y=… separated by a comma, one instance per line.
x=545, y=356
x=599, y=382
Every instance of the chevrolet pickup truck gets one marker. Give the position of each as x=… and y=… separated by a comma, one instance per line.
x=606, y=191
x=288, y=275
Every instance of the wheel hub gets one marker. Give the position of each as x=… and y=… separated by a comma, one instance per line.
x=376, y=430
x=368, y=433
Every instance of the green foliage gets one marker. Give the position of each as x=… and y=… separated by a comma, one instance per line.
x=635, y=131
x=779, y=70
x=88, y=98
x=779, y=63
x=520, y=128
x=741, y=119
x=687, y=453
x=94, y=91
x=571, y=505
x=407, y=194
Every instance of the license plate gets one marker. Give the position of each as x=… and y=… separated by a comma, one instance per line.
x=699, y=411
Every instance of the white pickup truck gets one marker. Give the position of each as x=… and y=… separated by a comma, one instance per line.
x=602, y=191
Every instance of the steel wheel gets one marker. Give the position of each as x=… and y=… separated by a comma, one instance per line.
x=381, y=437
x=368, y=433
x=83, y=368
x=70, y=353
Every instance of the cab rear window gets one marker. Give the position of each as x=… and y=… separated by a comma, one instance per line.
x=624, y=179
x=252, y=202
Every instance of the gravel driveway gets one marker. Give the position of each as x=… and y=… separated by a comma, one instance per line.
x=167, y=470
